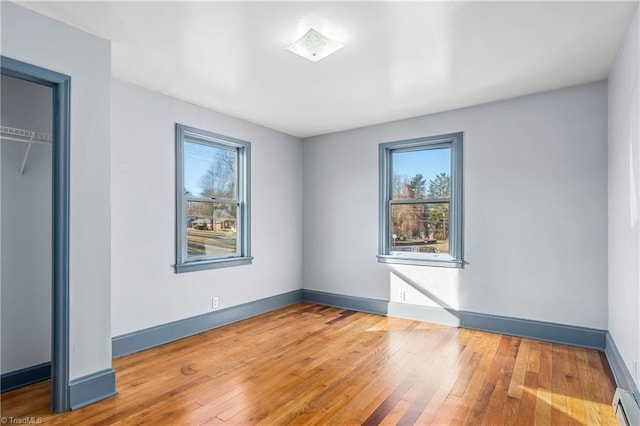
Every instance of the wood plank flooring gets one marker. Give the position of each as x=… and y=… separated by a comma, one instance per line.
x=315, y=365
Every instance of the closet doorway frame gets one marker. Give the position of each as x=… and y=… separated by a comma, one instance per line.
x=61, y=144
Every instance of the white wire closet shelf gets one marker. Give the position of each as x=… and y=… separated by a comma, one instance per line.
x=26, y=136
x=29, y=137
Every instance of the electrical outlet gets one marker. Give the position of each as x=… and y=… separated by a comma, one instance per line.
x=215, y=303
x=402, y=296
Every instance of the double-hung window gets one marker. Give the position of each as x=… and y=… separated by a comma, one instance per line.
x=421, y=201
x=212, y=200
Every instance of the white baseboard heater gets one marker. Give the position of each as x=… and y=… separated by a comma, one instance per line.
x=626, y=408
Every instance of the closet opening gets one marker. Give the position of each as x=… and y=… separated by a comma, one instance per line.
x=35, y=134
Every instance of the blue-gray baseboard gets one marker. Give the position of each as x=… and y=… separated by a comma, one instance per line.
x=550, y=332
x=92, y=388
x=623, y=376
x=165, y=333
x=361, y=304
x=82, y=391
x=26, y=376
x=571, y=335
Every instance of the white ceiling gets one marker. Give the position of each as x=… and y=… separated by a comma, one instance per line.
x=400, y=59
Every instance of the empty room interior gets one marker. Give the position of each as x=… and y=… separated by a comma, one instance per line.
x=326, y=213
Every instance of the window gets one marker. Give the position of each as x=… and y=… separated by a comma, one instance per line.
x=421, y=201
x=212, y=200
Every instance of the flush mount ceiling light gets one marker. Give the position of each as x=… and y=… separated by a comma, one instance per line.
x=314, y=46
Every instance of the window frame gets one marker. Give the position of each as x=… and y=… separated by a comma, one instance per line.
x=454, y=259
x=186, y=134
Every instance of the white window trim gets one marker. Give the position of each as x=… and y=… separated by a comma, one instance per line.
x=184, y=133
x=454, y=259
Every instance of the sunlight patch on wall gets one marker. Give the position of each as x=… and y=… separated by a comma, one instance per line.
x=424, y=286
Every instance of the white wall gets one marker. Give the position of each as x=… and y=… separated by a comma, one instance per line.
x=624, y=187
x=26, y=228
x=145, y=290
x=535, y=226
x=38, y=40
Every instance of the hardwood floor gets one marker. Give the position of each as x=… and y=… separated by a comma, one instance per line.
x=308, y=364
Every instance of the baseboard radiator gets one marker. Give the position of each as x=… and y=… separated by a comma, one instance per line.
x=626, y=408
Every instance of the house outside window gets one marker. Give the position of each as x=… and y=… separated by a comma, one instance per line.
x=212, y=200
x=421, y=201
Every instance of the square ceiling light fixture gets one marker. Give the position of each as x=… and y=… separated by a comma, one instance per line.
x=314, y=46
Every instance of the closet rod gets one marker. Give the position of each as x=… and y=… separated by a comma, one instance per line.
x=36, y=142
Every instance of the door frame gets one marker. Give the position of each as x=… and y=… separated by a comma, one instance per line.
x=61, y=85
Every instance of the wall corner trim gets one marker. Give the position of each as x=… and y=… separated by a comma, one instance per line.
x=158, y=335
x=25, y=376
x=92, y=388
x=621, y=373
x=531, y=329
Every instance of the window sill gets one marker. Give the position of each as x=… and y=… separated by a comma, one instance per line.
x=399, y=260
x=203, y=265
